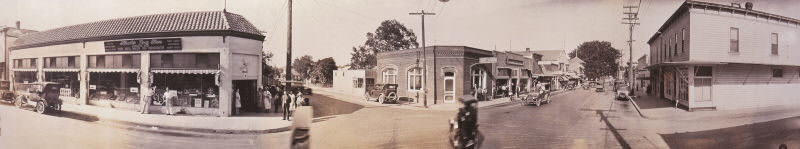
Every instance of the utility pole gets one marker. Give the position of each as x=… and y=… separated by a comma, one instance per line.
x=422, y=13
x=631, y=18
x=289, y=50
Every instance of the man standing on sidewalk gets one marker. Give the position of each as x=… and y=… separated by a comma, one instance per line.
x=286, y=104
x=148, y=95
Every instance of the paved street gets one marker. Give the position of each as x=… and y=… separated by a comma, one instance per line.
x=759, y=135
x=576, y=119
x=73, y=130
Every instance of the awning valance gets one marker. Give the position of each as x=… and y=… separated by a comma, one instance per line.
x=24, y=69
x=109, y=70
x=187, y=71
x=61, y=70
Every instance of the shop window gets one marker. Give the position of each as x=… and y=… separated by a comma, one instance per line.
x=777, y=73
x=415, y=79
x=18, y=62
x=71, y=61
x=201, y=60
x=101, y=61
x=389, y=76
x=734, y=40
x=166, y=60
x=703, y=71
x=32, y=64
x=127, y=61
x=51, y=62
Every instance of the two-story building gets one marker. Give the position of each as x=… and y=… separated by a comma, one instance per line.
x=716, y=56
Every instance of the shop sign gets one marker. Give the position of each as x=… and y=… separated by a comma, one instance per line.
x=91, y=87
x=513, y=62
x=134, y=90
x=144, y=45
x=485, y=60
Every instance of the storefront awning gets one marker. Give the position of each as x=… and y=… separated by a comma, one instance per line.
x=24, y=69
x=190, y=71
x=109, y=70
x=61, y=70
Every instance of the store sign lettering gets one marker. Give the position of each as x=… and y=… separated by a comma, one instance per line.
x=144, y=45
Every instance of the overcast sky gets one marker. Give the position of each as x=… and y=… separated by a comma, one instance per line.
x=330, y=28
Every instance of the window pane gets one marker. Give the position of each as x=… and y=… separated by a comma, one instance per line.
x=448, y=85
x=704, y=71
x=734, y=34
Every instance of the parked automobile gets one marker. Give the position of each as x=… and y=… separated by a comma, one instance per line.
x=301, y=127
x=42, y=96
x=382, y=93
x=537, y=98
x=298, y=86
x=623, y=92
x=5, y=92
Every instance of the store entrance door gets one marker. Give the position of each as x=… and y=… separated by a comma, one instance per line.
x=247, y=89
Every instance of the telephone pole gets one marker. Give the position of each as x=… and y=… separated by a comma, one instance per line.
x=422, y=13
x=631, y=19
x=289, y=50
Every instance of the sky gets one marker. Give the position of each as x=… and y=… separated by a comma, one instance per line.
x=330, y=28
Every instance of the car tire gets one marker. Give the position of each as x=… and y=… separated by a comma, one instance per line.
x=393, y=97
x=381, y=98
x=41, y=107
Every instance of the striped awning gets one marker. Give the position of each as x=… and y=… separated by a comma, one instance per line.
x=109, y=70
x=186, y=71
x=61, y=70
x=24, y=69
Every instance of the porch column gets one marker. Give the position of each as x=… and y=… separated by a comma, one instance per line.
x=83, y=76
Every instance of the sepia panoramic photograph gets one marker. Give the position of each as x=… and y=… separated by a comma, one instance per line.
x=399, y=74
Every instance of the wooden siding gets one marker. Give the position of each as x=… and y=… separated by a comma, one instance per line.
x=667, y=39
x=712, y=38
x=749, y=86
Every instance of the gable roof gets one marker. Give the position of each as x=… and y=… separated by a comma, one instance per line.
x=550, y=55
x=576, y=60
x=204, y=23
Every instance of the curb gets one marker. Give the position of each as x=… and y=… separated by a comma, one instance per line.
x=195, y=130
x=637, y=109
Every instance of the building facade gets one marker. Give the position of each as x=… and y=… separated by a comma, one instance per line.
x=353, y=82
x=718, y=56
x=203, y=58
x=7, y=37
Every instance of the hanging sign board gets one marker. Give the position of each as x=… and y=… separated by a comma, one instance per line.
x=144, y=45
x=486, y=60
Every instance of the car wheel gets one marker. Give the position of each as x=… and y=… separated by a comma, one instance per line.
x=381, y=98
x=57, y=107
x=393, y=97
x=41, y=107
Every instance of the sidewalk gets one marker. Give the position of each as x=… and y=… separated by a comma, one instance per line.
x=660, y=109
x=256, y=123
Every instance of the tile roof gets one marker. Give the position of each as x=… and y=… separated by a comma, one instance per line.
x=170, y=24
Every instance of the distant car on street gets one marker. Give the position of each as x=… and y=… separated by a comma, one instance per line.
x=382, y=93
x=599, y=88
x=623, y=92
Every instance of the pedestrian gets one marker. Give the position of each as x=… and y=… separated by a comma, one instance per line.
x=148, y=95
x=298, y=97
x=286, y=103
x=277, y=99
x=238, y=99
x=267, y=97
x=168, y=97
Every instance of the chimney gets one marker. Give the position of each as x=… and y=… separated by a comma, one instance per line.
x=748, y=5
x=18, y=25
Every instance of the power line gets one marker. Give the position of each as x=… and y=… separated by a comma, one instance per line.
x=422, y=14
x=631, y=19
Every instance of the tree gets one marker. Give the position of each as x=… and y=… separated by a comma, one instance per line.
x=361, y=58
x=599, y=56
x=323, y=70
x=303, y=65
x=389, y=36
x=268, y=72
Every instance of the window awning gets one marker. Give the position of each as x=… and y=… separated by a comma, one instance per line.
x=61, y=70
x=109, y=70
x=186, y=71
x=24, y=69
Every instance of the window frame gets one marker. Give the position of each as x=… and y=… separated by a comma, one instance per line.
x=773, y=39
x=411, y=79
x=683, y=40
x=385, y=73
x=777, y=73
x=736, y=48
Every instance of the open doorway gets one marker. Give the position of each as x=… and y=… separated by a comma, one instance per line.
x=248, y=90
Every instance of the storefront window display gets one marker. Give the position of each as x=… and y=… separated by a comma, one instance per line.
x=193, y=90
x=116, y=86
x=63, y=70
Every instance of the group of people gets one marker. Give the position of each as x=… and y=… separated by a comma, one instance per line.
x=276, y=98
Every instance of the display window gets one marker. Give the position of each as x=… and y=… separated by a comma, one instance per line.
x=115, y=86
x=190, y=90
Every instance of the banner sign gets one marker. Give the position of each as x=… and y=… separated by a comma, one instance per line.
x=144, y=45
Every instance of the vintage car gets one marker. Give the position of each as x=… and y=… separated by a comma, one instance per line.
x=382, y=93
x=42, y=96
x=623, y=92
x=301, y=127
x=5, y=91
x=537, y=98
x=599, y=88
